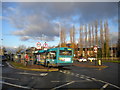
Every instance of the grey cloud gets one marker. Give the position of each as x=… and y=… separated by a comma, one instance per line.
x=34, y=19
x=24, y=38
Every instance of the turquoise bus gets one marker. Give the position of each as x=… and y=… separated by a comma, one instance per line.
x=61, y=56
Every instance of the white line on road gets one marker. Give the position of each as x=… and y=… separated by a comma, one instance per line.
x=42, y=74
x=88, y=78
x=9, y=65
x=71, y=81
x=77, y=75
x=109, y=84
x=9, y=78
x=14, y=85
x=104, y=86
x=63, y=85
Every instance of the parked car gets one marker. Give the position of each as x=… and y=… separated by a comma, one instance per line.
x=82, y=59
x=91, y=58
x=4, y=58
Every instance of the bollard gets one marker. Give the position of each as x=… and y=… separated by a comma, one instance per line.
x=99, y=62
x=90, y=60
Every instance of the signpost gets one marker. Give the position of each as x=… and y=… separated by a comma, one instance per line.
x=95, y=48
x=38, y=45
x=45, y=45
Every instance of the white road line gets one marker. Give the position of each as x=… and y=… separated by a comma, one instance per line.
x=42, y=74
x=14, y=85
x=55, y=81
x=94, y=79
x=77, y=75
x=63, y=85
x=9, y=78
x=81, y=77
x=9, y=65
x=72, y=73
x=60, y=70
x=68, y=72
x=89, y=79
x=71, y=81
x=109, y=84
x=104, y=86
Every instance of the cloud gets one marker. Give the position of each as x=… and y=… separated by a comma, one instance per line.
x=24, y=38
x=33, y=20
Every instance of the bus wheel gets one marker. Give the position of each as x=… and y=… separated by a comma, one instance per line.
x=48, y=64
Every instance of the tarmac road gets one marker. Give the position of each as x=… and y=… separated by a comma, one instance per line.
x=66, y=78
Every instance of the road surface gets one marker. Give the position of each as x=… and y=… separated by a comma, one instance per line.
x=66, y=78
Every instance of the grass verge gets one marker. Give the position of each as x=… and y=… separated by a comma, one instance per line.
x=113, y=61
x=21, y=66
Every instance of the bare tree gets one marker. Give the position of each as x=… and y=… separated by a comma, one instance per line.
x=106, y=38
x=81, y=40
x=89, y=29
x=96, y=32
x=20, y=48
x=93, y=36
x=102, y=38
x=63, y=37
x=72, y=37
x=85, y=29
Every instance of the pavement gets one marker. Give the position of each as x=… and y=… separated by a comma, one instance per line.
x=93, y=64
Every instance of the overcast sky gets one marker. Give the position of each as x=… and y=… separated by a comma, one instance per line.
x=29, y=22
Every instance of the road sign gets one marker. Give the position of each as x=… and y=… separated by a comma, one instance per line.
x=45, y=45
x=95, y=49
x=38, y=45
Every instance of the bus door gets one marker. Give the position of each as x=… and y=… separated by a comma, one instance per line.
x=51, y=57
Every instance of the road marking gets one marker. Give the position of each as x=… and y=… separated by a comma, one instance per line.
x=63, y=85
x=9, y=78
x=68, y=72
x=71, y=81
x=15, y=85
x=72, y=73
x=89, y=79
x=94, y=79
x=64, y=71
x=104, y=86
x=55, y=81
x=42, y=74
x=77, y=75
x=109, y=84
x=9, y=65
x=60, y=70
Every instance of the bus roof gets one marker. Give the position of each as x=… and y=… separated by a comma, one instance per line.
x=60, y=48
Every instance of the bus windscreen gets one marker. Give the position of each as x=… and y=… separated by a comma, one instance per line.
x=65, y=52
